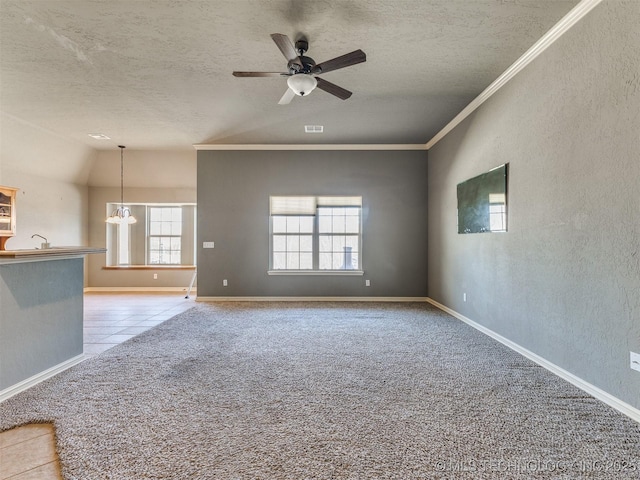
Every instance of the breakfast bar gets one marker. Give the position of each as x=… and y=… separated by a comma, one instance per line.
x=41, y=313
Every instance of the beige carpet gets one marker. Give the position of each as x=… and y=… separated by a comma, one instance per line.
x=326, y=391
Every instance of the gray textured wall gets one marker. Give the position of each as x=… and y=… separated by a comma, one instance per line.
x=233, y=211
x=40, y=316
x=564, y=282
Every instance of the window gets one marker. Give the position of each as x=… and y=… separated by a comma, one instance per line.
x=292, y=242
x=316, y=234
x=163, y=235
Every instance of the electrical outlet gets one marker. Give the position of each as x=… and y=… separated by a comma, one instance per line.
x=208, y=244
x=635, y=361
x=224, y=282
x=464, y=297
x=155, y=276
x=367, y=283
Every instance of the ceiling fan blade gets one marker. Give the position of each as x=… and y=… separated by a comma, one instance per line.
x=357, y=56
x=287, y=97
x=259, y=74
x=333, y=89
x=286, y=47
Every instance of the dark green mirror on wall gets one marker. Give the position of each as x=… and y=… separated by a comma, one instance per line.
x=482, y=202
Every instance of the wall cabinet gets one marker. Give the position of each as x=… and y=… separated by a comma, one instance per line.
x=7, y=214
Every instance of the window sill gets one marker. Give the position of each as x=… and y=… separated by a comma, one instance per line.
x=149, y=267
x=317, y=272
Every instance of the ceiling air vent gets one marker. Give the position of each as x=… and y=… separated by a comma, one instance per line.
x=313, y=129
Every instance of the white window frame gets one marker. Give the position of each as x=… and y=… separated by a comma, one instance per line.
x=162, y=237
x=308, y=207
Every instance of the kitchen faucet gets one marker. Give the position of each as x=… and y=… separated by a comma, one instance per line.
x=43, y=245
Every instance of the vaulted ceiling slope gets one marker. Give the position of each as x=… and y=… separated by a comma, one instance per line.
x=156, y=74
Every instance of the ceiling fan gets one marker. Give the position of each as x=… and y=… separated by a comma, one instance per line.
x=303, y=71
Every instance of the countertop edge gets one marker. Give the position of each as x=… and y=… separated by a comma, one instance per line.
x=49, y=252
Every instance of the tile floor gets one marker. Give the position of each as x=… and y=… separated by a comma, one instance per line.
x=110, y=319
x=28, y=452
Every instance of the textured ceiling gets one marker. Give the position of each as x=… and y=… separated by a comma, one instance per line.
x=156, y=74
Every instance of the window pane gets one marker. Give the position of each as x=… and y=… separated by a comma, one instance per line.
x=306, y=224
x=176, y=228
x=306, y=261
x=155, y=214
x=306, y=243
x=325, y=243
x=293, y=243
x=339, y=211
x=175, y=243
x=352, y=211
x=325, y=261
x=165, y=228
x=352, y=224
x=176, y=215
x=279, y=243
x=352, y=241
x=356, y=260
x=175, y=257
x=293, y=261
x=154, y=228
x=279, y=224
x=347, y=260
x=154, y=257
x=325, y=211
x=293, y=224
x=279, y=261
x=337, y=260
x=338, y=243
x=123, y=244
x=338, y=224
x=154, y=243
x=324, y=224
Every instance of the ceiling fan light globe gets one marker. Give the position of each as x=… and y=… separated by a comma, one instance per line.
x=302, y=84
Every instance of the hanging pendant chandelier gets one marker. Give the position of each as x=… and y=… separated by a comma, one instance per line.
x=121, y=214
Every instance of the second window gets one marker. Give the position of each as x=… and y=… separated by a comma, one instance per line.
x=316, y=233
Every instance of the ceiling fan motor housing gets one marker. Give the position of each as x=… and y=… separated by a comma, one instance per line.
x=308, y=65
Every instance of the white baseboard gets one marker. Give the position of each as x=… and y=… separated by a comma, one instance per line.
x=138, y=289
x=311, y=299
x=623, y=407
x=31, y=381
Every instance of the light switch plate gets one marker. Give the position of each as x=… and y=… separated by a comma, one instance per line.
x=208, y=244
x=635, y=361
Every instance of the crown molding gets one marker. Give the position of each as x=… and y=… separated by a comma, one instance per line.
x=401, y=146
x=559, y=29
